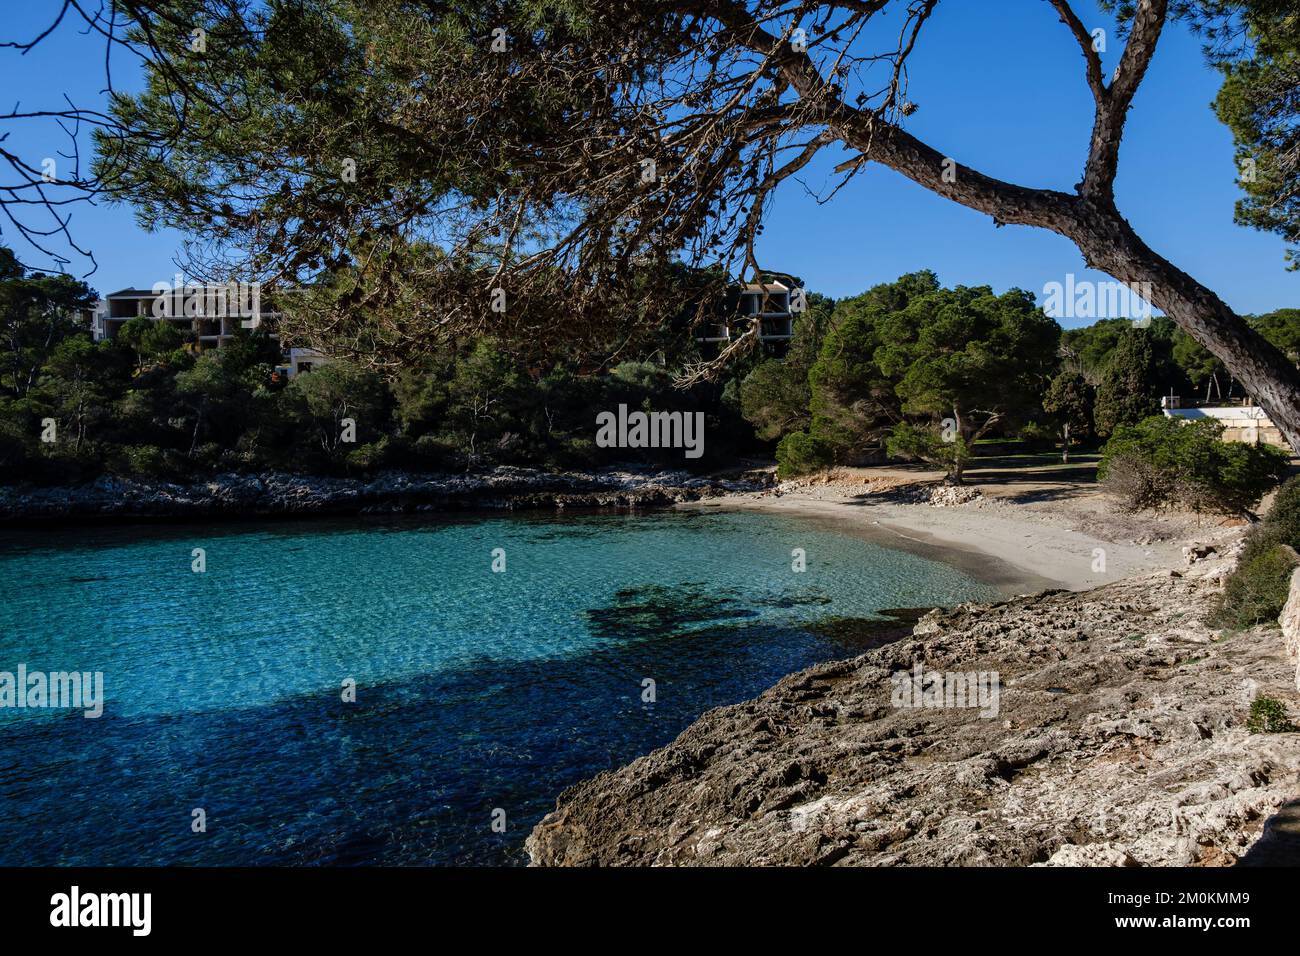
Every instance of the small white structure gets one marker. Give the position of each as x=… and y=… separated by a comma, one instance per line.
x=767, y=303
x=1244, y=423
x=303, y=360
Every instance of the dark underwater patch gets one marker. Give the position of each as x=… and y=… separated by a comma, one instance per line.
x=653, y=610
x=864, y=633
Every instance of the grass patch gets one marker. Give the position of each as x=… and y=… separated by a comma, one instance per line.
x=1268, y=716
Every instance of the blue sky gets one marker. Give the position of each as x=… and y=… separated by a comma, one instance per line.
x=1000, y=87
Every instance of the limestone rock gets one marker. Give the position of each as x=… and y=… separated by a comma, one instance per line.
x=937, y=495
x=950, y=496
x=1119, y=736
x=1289, y=621
x=385, y=493
x=1091, y=854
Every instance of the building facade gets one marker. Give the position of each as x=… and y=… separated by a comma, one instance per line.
x=1244, y=423
x=209, y=328
x=768, y=303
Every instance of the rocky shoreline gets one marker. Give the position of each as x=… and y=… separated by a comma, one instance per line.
x=280, y=494
x=1120, y=739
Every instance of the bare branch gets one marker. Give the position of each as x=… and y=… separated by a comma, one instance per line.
x=891, y=146
x=1108, y=128
x=1091, y=57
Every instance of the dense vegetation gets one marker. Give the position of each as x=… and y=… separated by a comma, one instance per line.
x=606, y=139
x=910, y=355
x=146, y=403
x=1161, y=462
x=908, y=369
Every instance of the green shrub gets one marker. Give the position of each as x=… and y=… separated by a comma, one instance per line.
x=1257, y=589
x=926, y=443
x=369, y=457
x=798, y=454
x=1283, y=519
x=209, y=455
x=1138, y=482
x=15, y=460
x=1164, y=461
x=575, y=452
x=432, y=449
x=1268, y=716
x=144, y=461
x=1239, y=476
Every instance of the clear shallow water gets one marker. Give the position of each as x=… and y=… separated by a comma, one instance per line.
x=475, y=690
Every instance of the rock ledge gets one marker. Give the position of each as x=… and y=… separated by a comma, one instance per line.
x=1120, y=740
x=276, y=493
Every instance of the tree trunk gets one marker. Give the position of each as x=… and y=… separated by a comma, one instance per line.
x=1065, y=445
x=955, y=469
x=198, y=423
x=1109, y=243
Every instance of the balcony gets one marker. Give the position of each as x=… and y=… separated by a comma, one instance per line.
x=714, y=332
x=776, y=329
x=776, y=304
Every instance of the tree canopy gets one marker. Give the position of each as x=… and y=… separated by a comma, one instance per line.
x=37, y=312
x=514, y=168
x=1260, y=103
x=923, y=370
x=1130, y=383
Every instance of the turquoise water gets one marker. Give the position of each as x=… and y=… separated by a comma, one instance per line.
x=478, y=694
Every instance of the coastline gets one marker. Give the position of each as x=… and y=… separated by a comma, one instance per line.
x=903, y=530
x=1016, y=547
x=272, y=495
x=1120, y=704
x=1119, y=738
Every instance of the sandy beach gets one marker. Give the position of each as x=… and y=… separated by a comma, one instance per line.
x=1023, y=538
x=1122, y=735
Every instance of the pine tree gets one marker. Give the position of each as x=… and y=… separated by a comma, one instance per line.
x=1129, y=385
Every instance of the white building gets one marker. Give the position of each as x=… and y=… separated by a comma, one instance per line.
x=768, y=303
x=1244, y=423
x=209, y=331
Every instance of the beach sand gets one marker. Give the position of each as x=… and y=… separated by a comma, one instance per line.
x=1022, y=539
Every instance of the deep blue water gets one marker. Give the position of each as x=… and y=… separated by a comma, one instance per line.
x=476, y=690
